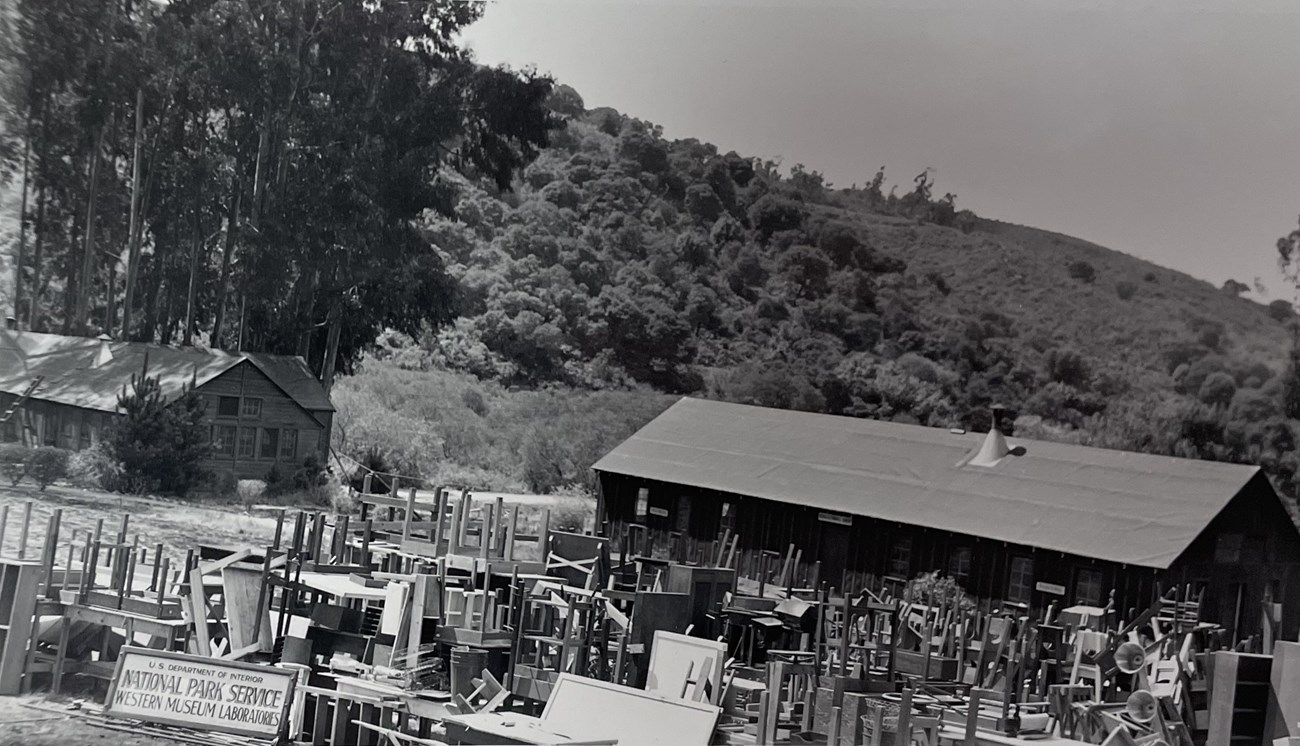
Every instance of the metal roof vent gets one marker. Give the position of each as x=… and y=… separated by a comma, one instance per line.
x=104, y=355
x=995, y=446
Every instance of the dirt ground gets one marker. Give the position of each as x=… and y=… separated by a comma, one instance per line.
x=29, y=721
x=176, y=524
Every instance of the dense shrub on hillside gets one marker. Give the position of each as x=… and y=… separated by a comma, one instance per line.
x=1083, y=271
x=1125, y=289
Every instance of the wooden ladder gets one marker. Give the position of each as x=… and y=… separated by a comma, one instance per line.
x=22, y=399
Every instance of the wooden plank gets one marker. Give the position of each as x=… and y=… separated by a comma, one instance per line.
x=242, y=591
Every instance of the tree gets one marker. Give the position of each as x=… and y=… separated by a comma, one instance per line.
x=160, y=444
x=1280, y=310
x=1234, y=288
x=279, y=157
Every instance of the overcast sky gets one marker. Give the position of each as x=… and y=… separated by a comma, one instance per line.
x=1170, y=131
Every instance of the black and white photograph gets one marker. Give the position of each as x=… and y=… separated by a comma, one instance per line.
x=650, y=372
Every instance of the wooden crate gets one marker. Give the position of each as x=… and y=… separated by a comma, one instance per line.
x=19, y=583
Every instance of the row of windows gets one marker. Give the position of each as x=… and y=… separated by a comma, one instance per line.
x=1020, y=580
x=268, y=443
x=234, y=406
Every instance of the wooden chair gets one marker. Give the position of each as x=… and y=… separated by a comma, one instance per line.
x=1087, y=646
x=1061, y=699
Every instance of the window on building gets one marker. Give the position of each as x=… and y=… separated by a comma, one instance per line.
x=85, y=438
x=1022, y=580
x=247, y=442
x=289, y=445
x=1227, y=549
x=270, y=442
x=959, y=564
x=683, y=513
x=900, y=557
x=223, y=440
x=252, y=408
x=642, y=503
x=1087, y=586
x=228, y=406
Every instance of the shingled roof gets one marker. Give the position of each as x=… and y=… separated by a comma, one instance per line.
x=1133, y=508
x=72, y=378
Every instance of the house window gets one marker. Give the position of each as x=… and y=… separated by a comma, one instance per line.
x=642, y=503
x=251, y=408
x=85, y=438
x=228, y=406
x=959, y=564
x=683, y=513
x=247, y=442
x=223, y=440
x=270, y=442
x=1087, y=586
x=1228, y=549
x=1022, y=580
x=289, y=445
x=900, y=557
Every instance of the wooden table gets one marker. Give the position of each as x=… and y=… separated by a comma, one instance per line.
x=341, y=587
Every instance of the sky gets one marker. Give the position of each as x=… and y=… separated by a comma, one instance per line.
x=1169, y=131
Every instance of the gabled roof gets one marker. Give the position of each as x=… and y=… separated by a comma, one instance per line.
x=71, y=378
x=1132, y=508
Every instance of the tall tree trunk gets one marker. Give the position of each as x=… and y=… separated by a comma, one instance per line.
x=227, y=253
x=38, y=256
x=259, y=169
x=243, y=309
x=196, y=249
x=133, y=234
x=82, y=310
x=22, y=220
x=331, y=348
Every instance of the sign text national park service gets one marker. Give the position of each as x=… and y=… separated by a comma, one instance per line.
x=200, y=693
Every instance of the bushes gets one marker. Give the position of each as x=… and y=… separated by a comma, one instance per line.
x=1083, y=271
x=45, y=465
x=48, y=465
x=95, y=468
x=1125, y=290
x=13, y=462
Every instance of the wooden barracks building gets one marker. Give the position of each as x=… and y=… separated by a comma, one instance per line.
x=1025, y=522
x=262, y=410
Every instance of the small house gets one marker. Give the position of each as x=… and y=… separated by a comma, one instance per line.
x=261, y=410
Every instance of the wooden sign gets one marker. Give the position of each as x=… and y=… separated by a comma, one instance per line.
x=207, y=694
x=1053, y=588
x=842, y=520
x=661, y=512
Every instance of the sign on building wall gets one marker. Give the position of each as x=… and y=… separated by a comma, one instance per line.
x=842, y=520
x=661, y=512
x=1053, y=588
x=201, y=693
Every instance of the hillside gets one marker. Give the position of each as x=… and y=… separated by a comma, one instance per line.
x=622, y=260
